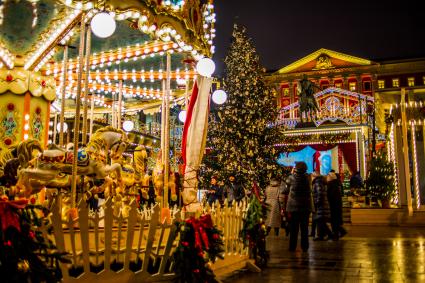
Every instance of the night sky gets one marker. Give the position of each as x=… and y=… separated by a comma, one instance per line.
x=284, y=31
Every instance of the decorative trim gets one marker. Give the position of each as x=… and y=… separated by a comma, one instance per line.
x=330, y=53
x=19, y=81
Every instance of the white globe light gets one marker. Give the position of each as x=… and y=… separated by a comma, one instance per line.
x=205, y=67
x=219, y=96
x=128, y=126
x=103, y=25
x=65, y=127
x=182, y=116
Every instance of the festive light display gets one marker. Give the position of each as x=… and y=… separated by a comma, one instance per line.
x=45, y=49
x=240, y=141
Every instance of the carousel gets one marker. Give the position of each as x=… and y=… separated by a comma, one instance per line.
x=103, y=108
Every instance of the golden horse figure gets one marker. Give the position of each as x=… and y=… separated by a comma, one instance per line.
x=107, y=143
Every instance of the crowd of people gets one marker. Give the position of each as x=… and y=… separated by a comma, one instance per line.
x=295, y=201
x=300, y=195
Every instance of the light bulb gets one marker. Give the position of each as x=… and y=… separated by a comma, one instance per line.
x=205, y=67
x=128, y=126
x=182, y=116
x=103, y=25
x=65, y=127
x=219, y=96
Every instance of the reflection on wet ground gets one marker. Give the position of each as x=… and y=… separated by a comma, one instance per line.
x=366, y=254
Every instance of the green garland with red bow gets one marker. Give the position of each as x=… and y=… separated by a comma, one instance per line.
x=254, y=231
x=25, y=255
x=200, y=245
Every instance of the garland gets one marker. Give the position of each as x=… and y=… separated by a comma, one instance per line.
x=317, y=138
x=200, y=245
x=25, y=254
x=253, y=233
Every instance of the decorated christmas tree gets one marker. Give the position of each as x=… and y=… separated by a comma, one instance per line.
x=241, y=135
x=380, y=179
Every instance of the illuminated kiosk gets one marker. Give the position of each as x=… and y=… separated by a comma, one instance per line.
x=339, y=134
x=145, y=65
x=406, y=150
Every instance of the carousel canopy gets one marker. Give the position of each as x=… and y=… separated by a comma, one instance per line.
x=34, y=35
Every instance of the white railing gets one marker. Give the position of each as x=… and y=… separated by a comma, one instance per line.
x=131, y=245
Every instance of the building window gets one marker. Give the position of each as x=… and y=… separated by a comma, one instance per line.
x=338, y=85
x=411, y=81
x=366, y=86
x=352, y=86
x=396, y=83
x=381, y=84
x=423, y=80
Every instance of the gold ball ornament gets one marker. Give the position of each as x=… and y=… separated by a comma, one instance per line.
x=23, y=266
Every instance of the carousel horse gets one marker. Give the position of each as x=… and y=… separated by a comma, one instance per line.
x=17, y=157
x=142, y=179
x=158, y=180
x=106, y=143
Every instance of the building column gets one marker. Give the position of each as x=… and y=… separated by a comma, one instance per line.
x=292, y=99
x=345, y=83
x=406, y=151
x=278, y=89
x=359, y=84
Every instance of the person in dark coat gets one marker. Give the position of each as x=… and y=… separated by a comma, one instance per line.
x=322, y=215
x=234, y=190
x=299, y=205
x=334, y=187
x=215, y=193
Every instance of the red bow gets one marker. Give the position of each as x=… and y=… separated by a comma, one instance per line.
x=256, y=190
x=8, y=215
x=199, y=226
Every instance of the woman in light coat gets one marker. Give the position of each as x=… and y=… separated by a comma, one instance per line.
x=274, y=197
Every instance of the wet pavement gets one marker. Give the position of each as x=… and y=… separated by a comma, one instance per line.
x=366, y=254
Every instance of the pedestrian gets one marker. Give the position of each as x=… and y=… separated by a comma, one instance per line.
x=299, y=206
x=215, y=193
x=273, y=199
x=334, y=189
x=234, y=190
x=322, y=215
x=356, y=183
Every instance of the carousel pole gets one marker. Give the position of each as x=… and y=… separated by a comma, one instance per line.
x=113, y=110
x=167, y=130
x=63, y=90
x=86, y=85
x=119, y=105
x=164, y=94
x=55, y=124
x=77, y=112
x=91, y=115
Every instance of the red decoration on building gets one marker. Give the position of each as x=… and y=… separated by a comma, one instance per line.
x=7, y=141
x=43, y=83
x=38, y=109
x=11, y=107
x=9, y=78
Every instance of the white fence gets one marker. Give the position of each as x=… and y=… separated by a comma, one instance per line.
x=133, y=246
